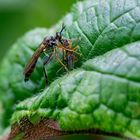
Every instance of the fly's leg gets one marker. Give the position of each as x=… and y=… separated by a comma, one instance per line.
x=70, y=49
x=45, y=62
x=56, y=56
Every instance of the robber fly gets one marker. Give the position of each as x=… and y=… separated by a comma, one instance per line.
x=49, y=43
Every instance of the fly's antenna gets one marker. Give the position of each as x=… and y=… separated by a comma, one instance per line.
x=63, y=27
x=59, y=34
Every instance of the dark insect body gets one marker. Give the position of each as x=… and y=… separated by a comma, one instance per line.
x=29, y=68
x=51, y=44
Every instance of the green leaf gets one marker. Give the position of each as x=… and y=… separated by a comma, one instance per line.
x=104, y=89
x=13, y=88
x=102, y=94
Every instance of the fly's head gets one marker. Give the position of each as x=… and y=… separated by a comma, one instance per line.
x=58, y=35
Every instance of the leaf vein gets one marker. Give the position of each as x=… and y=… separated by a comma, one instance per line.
x=108, y=26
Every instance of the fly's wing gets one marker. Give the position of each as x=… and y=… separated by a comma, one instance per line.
x=32, y=63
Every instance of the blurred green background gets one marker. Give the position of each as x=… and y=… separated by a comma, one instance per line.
x=19, y=16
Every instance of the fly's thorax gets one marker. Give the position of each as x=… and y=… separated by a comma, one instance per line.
x=52, y=42
x=49, y=42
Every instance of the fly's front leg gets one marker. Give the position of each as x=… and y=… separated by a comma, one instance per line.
x=45, y=62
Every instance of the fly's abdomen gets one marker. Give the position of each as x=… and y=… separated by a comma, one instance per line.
x=29, y=71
